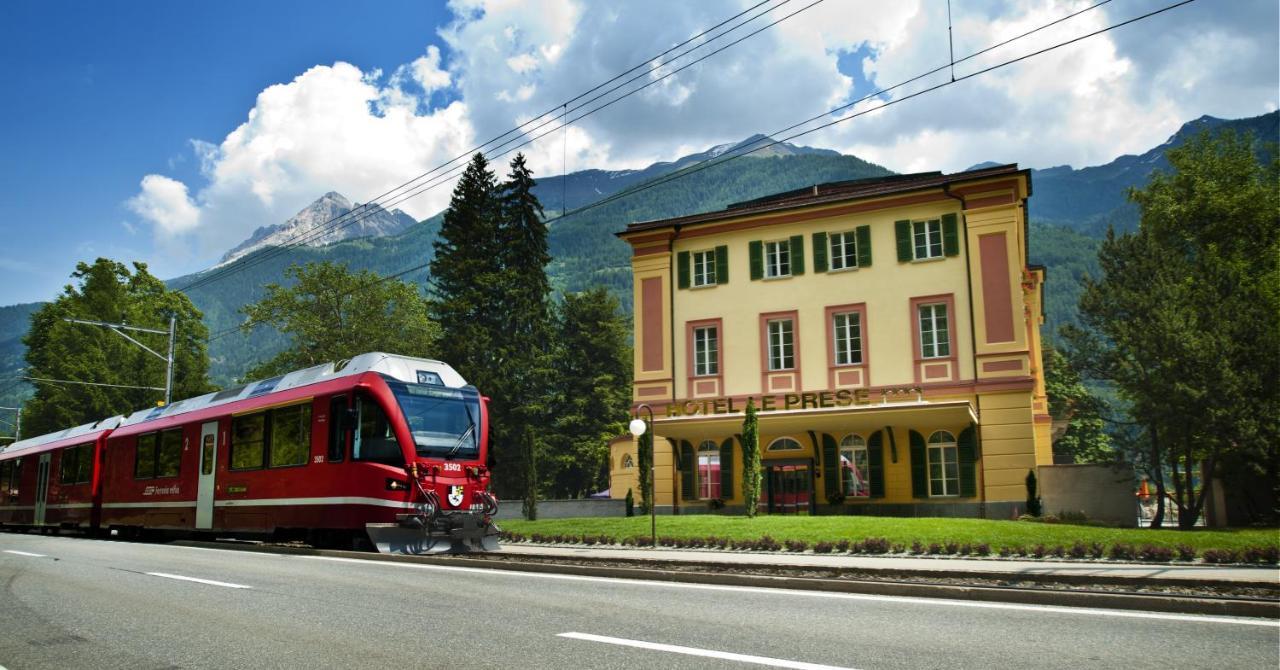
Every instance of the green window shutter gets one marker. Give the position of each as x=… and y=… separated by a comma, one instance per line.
x=726, y=469
x=722, y=264
x=966, y=454
x=830, y=466
x=756, y=251
x=797, y=255
x=682, y=269
x=875, y=463
x=864, y=246
x=902, y=229
x=688, y=476
x=819, y=252
x=919, y=467
x=950, y=235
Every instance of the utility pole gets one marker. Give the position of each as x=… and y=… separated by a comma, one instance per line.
x=17, y=424
x=119, y=328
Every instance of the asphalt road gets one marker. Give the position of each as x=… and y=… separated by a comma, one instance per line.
x=78, y=603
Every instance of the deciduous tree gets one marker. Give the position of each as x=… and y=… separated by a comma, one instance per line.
x=331, y=313
x=108, y=291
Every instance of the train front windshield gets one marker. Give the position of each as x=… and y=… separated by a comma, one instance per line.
x=445, y=422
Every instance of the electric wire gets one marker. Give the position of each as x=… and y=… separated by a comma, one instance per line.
x=373, y=206
x=723, y=159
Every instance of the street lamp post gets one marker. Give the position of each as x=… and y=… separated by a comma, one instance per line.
x=638, y=428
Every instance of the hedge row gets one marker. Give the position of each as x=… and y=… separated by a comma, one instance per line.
x=1120, y=551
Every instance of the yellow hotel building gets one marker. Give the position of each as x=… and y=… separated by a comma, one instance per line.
x=887, y=331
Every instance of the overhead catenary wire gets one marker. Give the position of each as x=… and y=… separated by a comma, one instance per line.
x=373, y=206
x=724, y=158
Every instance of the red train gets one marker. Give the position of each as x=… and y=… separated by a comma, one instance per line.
x=383, y=446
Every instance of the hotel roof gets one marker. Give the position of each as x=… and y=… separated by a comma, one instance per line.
x=838, y=191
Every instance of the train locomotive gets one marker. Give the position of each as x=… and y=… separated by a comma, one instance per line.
x=384, y=449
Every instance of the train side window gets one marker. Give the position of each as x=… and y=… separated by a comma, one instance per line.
x=68, y=466
x=248, y=441
x=84, y=463
x=375, y=440
x=15, y=485
x=144, y=466
x=290, y=436
x=337, y=428
x=169, y=453
x=6, y=480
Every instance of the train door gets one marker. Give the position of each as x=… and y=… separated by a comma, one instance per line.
x=42, y=486
x=208, y=465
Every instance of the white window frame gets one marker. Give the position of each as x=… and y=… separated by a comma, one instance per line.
x=708, y=487
x=777, y=259
x=943, y=465
x=935, y=341
x=783, y=444
x=846, y=258
x=706, y=351
x=852, y=341
x=850, y=447
x=782, y=335
x=926, y=239
x=704, y=268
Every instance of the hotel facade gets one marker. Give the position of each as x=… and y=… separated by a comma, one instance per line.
x=886, y=331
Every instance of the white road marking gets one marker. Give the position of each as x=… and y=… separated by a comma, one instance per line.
x=22, y=553
x=201, y=581
x=1054, y=609
x=708, y=653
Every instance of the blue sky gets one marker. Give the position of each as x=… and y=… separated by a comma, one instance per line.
x=166, y=132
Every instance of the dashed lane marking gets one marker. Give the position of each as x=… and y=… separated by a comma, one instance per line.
x=22, y=553
x=198, y=580
x=706, y=653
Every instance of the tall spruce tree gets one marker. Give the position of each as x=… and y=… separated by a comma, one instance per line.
x=491, y=305
x=526, y=324
x=108, y=291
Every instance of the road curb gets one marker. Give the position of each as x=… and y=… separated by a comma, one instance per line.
x=1253, y=608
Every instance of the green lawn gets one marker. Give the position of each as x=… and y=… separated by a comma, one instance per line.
x=902, y=531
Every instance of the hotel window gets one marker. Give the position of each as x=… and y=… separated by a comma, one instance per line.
x=928, y=238
x=844, y=250
x=847, y=328
x=708, y=471
x=784, y=444
x=934, y=335
x=854, y=467
x=706, y=351
x=777, y=256
x=944, y=466
x=781, y=346
x=704, y=268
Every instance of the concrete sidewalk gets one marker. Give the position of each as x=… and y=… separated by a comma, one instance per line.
x=942, y=567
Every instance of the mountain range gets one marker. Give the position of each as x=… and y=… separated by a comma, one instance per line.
x=1070, y=210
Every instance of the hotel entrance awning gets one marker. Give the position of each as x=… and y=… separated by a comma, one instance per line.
x=836, y=421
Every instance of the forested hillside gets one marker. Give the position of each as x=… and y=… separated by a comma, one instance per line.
x=1070, y=211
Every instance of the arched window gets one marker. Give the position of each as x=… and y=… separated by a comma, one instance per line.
x=784, y=444
x=944, y=466
x=627, y=462
x=708, y=470
x=854, y=475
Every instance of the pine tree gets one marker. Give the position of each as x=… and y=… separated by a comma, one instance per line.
x=591, y=392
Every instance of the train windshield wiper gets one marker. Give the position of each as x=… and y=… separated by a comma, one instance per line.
x=471, y=428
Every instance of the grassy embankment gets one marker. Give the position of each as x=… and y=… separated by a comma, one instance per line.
x=900, y=531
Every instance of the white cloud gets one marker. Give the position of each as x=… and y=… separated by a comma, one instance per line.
x=331, y=128
x=502, y=62
x=164, y=202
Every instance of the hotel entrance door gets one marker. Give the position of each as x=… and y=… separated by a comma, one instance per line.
x=790, y=489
